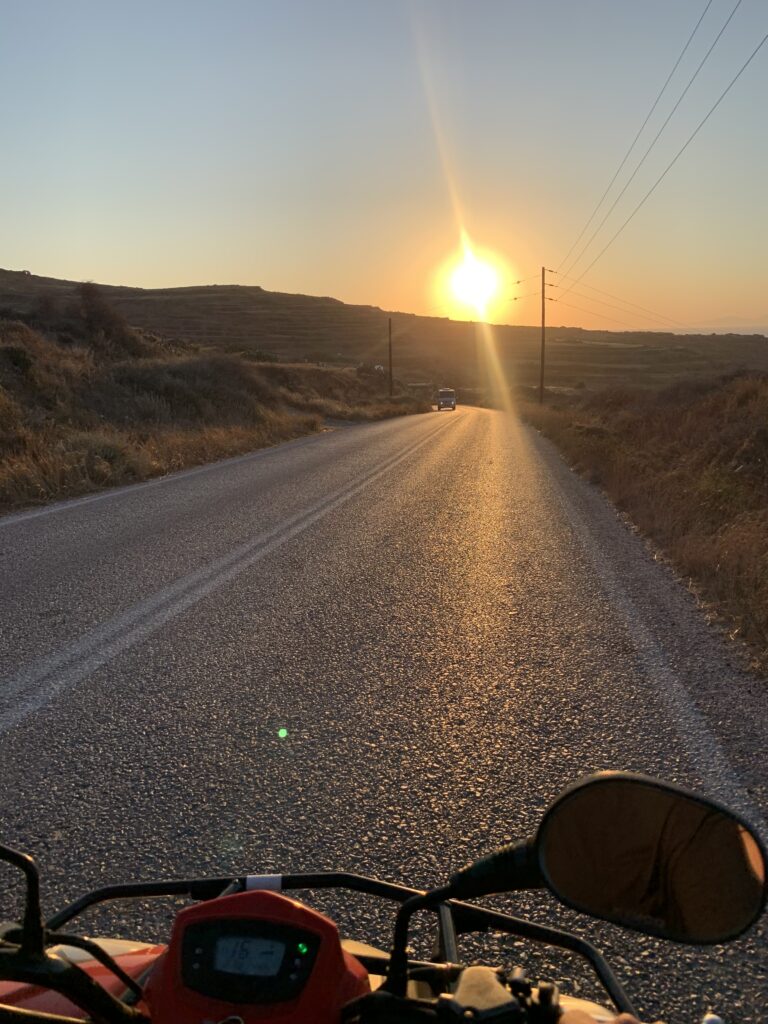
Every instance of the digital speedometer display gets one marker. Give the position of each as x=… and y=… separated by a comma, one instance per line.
x=248, y=956
x=247, y=960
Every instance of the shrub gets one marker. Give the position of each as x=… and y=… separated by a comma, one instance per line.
x=690, y=466
x=91, y=413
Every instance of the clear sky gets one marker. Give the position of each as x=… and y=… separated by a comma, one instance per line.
x=340, y=147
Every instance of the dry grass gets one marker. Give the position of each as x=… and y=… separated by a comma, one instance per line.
x=689, y=465
x=87, y=402
x=254, y=323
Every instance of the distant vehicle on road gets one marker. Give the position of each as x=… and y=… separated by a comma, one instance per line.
x=446, y=399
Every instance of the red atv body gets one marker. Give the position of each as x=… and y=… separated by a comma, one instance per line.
x=250, y=957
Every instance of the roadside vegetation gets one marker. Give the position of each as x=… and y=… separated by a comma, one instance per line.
x=435, y=350
x=689, y=466
x=88, y=402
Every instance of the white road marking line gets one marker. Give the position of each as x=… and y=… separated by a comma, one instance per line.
x=35, y=686
x=115, y=492
x=157, y=481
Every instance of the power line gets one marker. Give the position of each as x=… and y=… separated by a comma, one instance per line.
x=652, y=312
x=592, y=312
x=602, y=302
x=656, y=137
x=640, y=132
x=669, y=166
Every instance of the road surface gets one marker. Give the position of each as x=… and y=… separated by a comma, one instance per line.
x=450, y=625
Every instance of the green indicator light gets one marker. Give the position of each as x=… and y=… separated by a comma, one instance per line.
x=282, y=733
x=302, y=948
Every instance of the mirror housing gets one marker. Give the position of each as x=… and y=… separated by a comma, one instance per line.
x=653, y=857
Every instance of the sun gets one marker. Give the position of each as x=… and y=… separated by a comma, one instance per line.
x=474, y=282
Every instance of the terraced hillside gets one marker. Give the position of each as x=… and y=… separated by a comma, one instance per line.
x=255, y=322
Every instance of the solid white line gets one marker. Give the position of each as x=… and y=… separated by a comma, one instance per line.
x=35, y=685
x=115, y=492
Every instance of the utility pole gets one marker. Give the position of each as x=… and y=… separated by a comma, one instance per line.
x=390, y=357
x=543, y=333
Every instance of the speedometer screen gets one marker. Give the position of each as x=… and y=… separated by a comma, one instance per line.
x=248, y=955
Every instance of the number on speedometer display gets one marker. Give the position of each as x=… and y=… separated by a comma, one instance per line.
x=247, y=955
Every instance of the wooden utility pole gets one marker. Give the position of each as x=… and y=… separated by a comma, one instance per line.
x=543, y=333
x=390, y=357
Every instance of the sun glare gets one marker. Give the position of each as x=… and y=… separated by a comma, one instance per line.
x=474, y=282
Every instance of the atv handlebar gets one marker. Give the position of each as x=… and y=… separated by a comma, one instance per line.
x=52, y=972
x=467, y=917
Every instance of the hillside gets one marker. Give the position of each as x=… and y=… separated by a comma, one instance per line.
x=252, y=322
x=87, y=401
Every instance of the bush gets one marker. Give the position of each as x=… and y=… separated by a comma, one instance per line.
x=91, y=414
x=690, y=467
x=106, y=329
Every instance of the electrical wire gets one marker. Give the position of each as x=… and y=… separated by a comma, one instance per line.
x=672, y=163
x=643, y=316
x=634, y=141
x=592, y=312
x=618, y=298
x=655, y=138
x=645, y=313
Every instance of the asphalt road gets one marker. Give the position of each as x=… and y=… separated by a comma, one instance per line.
x=450, y=625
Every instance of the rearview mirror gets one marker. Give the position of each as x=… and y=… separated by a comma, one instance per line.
x=653, y=857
